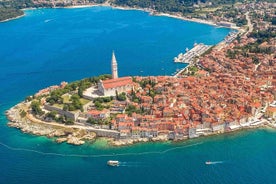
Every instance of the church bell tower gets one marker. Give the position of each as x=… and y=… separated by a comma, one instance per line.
x=114, y=66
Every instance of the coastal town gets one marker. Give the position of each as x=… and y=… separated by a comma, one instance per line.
x=227, y=87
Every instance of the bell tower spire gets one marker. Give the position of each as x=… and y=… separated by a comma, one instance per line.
x=114, y=66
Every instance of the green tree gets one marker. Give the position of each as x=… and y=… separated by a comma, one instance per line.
x=121, y=96
x=69, y=121
x=91, y=121
x=35, y=106
x=255, y=60
x=52, y=115
x=23, y=113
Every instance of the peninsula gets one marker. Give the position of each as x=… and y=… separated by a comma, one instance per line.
x=230, y=86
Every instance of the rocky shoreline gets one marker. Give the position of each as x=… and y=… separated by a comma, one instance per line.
x=64, y=133
x=61, y=133
x=71, y=134
x=125, y=142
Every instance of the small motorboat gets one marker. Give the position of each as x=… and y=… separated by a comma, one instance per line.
x=113, y=162
x=208, y=162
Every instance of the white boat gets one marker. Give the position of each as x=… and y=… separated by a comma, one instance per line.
x=113, y=162
x=208, y=162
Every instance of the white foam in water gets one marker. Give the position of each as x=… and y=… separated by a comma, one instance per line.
x=213, y=162
x=48, y=20
x=131, y=164
x=93, y=156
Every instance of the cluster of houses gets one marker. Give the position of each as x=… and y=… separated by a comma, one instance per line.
x=189, y=107
x=261, y=11
x=231, y=93
x=230, y=96
x=225, y=94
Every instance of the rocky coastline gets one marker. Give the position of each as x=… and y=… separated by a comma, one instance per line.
x=63, y=133
x=78, y=136
x=60, y=133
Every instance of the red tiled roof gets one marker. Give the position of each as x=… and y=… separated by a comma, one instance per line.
x=94, y=112
x=113, y=83
x=256, y=104
x=271, y=109
x=121, y=116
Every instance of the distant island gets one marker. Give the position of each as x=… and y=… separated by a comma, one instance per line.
x=224, y=88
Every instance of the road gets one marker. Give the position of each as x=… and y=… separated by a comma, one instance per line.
x=249, y=24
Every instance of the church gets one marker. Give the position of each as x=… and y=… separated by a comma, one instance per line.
x=117, y=84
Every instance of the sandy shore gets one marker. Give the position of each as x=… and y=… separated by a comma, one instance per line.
x=154, y=13
x=187, y=19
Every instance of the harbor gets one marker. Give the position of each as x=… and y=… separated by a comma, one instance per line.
x=230, y=37
x=189, y=56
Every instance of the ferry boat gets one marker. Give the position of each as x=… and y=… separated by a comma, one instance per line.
x=113, y=162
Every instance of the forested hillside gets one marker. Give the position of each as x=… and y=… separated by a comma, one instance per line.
x=185, y=6
x=12, y=8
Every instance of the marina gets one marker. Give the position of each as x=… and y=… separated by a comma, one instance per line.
x=230, y=37
x=189, y=56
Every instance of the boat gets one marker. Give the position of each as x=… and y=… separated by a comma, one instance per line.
x=208, y=162
x=113, y=162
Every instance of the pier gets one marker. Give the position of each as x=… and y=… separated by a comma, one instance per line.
x=230, y=37
x=189, y=56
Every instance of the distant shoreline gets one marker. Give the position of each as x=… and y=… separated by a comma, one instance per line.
x=150, y=11
x=171, y=15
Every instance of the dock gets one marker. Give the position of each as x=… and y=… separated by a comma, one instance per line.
x=189, y=56
x=230, y=37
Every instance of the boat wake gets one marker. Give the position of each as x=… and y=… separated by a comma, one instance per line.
x=48, y=20
x=100, y=155
x=214, y=162
x=131, y=164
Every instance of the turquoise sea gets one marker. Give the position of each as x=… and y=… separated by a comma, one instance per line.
x=48, y=46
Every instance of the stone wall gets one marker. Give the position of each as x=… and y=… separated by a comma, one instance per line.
x=72, y=115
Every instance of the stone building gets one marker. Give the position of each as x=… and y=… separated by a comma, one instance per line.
x=115, y=85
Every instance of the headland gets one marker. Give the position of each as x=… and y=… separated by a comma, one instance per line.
x=230, y=87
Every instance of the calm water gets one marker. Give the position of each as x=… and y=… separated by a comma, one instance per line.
x=51, y=45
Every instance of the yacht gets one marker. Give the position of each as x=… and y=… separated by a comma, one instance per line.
x=113, y=162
